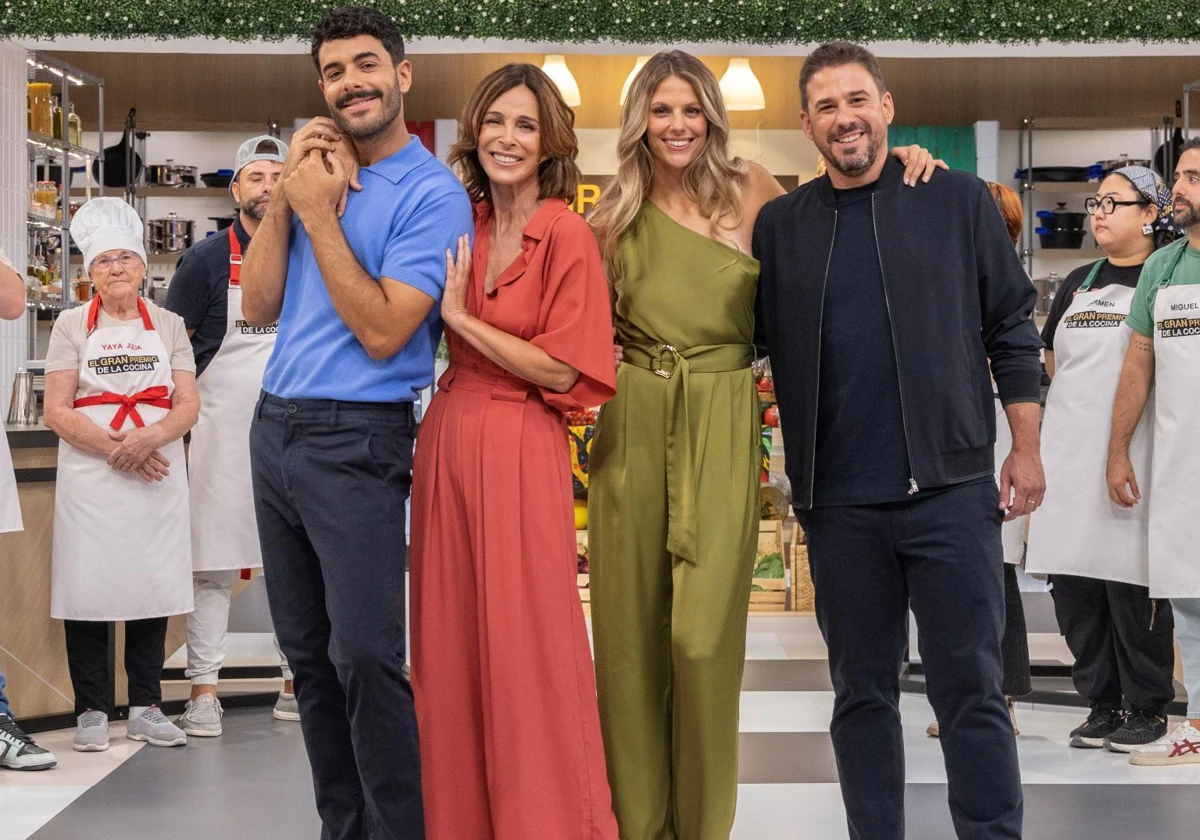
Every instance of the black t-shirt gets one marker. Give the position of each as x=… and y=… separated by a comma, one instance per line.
x=861, y=456
x=199, y=291
x=1110, y=275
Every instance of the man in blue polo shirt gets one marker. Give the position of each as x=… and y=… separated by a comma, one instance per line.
x=332, y=439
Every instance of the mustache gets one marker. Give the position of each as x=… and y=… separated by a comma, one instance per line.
x=357, y=96
x=841, y=131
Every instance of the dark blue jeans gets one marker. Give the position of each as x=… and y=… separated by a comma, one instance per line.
x=5, y=709
x=942, y=555
x=330, y=484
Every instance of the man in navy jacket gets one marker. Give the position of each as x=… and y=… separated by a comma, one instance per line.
x=883, y=310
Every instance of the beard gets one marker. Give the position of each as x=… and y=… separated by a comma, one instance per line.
x=857, y=164
x=1189, y=216
x=256, y=208
x=391, y=103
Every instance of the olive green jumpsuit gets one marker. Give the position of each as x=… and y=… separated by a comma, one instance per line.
x=673, y=522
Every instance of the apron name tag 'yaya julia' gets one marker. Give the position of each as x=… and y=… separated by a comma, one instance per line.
x=121, y=545
x=224, y=529
x=1079, y=530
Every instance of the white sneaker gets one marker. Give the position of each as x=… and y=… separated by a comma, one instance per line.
x=202, y=717
x=153, y=727
x=91, y=733
x=1179, y=746
x=286, y=707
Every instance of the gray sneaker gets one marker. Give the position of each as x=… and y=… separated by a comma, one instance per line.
x=202, y=717
x=153, y=727
x=17, y=750
x=286, y=707
x=91, y=735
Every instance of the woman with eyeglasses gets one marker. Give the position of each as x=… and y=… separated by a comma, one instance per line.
x=1095, y=550
x=120, y=394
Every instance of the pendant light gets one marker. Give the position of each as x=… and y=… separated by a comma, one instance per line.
x=637, y=68
x=555, y=66
x=740, y=87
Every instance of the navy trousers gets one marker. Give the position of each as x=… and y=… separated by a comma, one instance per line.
x=330, y=483
x=941, y=555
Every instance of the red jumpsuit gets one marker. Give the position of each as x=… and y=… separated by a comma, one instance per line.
x=502, y=671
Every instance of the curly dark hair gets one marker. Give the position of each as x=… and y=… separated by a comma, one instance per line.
x=352, y=21
x=558, y=176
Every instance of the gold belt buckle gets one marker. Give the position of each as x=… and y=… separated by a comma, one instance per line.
x=665, y=374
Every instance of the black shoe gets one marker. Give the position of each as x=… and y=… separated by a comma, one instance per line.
x=1100, y=724
x=1140, y=729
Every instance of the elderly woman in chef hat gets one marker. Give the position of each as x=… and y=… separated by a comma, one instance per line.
x=120, y=394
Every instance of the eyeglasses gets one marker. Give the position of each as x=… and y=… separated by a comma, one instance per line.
x=126, y=260
x=1108, y=205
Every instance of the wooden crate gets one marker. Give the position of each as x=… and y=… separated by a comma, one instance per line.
x=769, y=594
x=803, y=596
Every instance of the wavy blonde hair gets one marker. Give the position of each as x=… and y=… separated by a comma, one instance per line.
x=713, y=180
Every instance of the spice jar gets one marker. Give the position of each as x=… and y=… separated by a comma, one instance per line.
x=41, y=108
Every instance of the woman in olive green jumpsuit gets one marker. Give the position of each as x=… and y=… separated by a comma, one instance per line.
x=673, y=487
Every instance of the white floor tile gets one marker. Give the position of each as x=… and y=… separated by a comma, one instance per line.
x=786, y=711
x=788, y=812
x=28, y=808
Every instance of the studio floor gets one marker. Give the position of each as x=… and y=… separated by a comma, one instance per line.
x=253, y=782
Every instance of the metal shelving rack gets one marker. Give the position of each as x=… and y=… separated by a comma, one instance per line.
x=1031, y=190
x=44, y=151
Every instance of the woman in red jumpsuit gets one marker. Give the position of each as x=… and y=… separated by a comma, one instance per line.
x=502, y=671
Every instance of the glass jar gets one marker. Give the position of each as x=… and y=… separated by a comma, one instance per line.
x=41, y=108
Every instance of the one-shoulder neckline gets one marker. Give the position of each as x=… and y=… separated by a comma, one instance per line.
x=699, y=235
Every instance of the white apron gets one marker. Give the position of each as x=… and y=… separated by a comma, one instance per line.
x=1079, y=530
x=1012, y=534
x=1174, y=515
x=121, y=544
x=10, y=503
x=224, y=529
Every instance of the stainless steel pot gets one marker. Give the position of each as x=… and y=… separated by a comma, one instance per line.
x=170, y=174
x=171, y=234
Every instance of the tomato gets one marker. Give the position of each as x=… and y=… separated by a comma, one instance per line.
x=771, y=417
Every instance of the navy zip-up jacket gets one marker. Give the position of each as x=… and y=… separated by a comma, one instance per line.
x=957, y=297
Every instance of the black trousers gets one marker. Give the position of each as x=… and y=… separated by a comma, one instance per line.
x=92, y=677
x=942, y=555
x=330, y=484
x=1015, y=645
x=1122, y=640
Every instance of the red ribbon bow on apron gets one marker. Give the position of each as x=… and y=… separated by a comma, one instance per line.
x=156, y=396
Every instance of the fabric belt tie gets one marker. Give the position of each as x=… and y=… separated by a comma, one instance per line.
x=499, y=387
x=676, y=367
x=156, y=396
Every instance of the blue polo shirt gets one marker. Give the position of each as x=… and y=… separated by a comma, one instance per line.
x=411, y=209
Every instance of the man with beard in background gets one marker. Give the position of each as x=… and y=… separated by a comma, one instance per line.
x=881, y=308
x=331, y=443
x=230, y=356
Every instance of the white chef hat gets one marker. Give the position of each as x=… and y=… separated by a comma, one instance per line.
x=107, y=224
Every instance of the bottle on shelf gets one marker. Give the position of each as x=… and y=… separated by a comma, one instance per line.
x=74, y=127
x=56, y=120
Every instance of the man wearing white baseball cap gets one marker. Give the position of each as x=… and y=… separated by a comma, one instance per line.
x=230, y=358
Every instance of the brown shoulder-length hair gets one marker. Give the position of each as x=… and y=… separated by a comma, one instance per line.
x=558, y=175
x=1009, y=205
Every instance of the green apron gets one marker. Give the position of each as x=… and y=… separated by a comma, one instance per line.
x=673, y=530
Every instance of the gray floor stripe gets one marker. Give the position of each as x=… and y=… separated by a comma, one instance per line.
x=786, y=758
x=786, y=675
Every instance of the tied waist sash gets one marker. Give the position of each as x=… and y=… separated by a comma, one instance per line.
x=676, y=367
x=499, y=387
x=156, y=396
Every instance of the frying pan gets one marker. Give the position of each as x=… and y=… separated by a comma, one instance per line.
x=117, y=159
